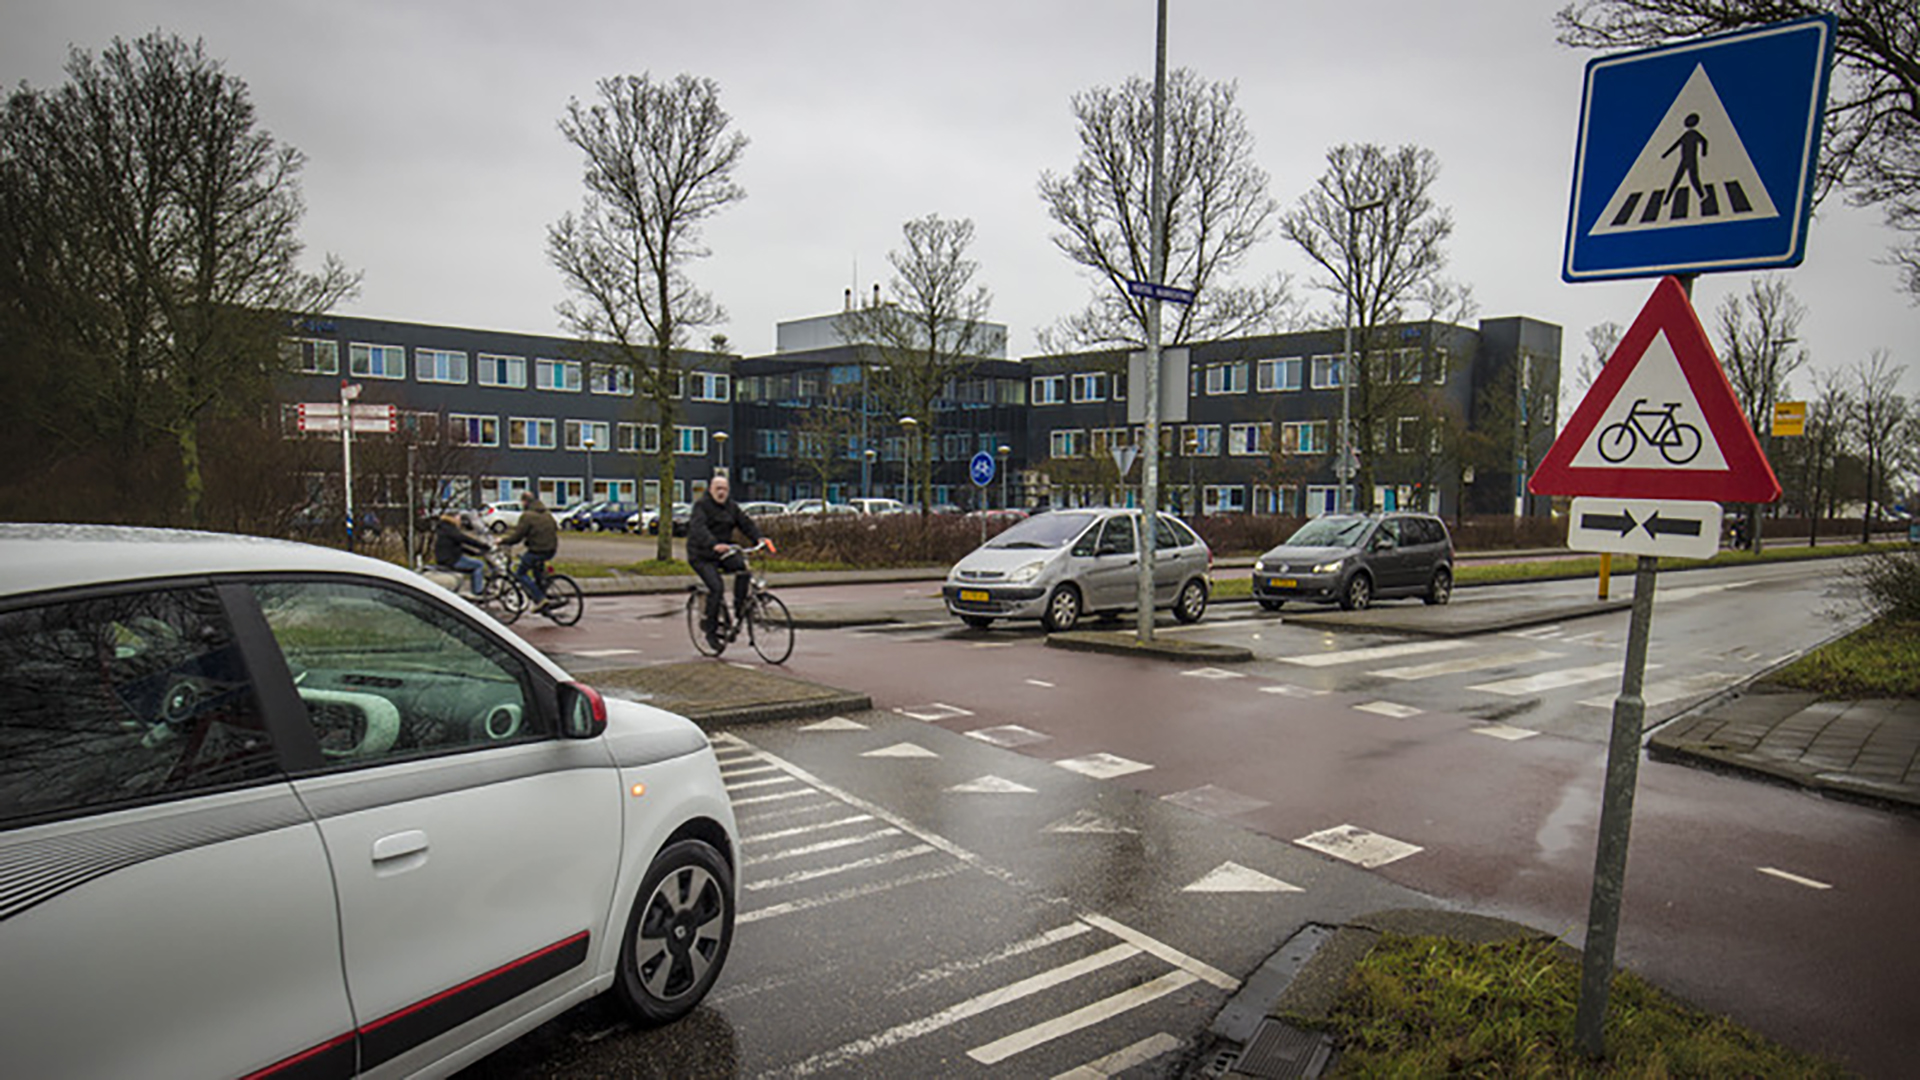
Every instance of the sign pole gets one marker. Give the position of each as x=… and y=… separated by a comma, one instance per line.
x=1157, y=258
x=346, y=453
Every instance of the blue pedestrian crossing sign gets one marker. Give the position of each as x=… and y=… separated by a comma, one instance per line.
x=981, y=469
x=1699, y=157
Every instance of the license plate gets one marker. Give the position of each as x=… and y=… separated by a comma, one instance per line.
x=1283, y=583
x=975, y=596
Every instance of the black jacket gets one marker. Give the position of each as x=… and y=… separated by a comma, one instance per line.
x=713, y=523
x=450, y=542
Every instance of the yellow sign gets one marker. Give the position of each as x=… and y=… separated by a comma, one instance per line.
x=1790, y=418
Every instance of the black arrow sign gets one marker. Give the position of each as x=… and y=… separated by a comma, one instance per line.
x=1671, y=526
x=1622, y=522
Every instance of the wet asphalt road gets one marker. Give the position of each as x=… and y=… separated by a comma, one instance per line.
x=1217, y=766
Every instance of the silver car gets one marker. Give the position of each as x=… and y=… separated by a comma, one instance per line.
x=1354, y=559
x=1058, y=566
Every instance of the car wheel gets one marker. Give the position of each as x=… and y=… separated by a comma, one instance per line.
x=1440, y=590
x=678, y=934
x=498, y=527
x=978, y=622
x=1358, y=593
x=1063, y=610
x=1273, y=605
x=1192, y=603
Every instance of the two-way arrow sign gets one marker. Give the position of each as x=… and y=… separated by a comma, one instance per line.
x=1645, y=527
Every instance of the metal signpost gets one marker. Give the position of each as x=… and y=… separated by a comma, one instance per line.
x=981, y=470
x=346, y=417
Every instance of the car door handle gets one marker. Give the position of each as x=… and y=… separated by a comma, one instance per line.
x=401, y=851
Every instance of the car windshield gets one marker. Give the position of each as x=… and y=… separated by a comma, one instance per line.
x=1043, y=531
x=1330, y=532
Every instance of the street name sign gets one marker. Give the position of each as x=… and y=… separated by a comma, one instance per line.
x=324, y=416
x=1682, y=528
x=1660, y=421
x=1170, y=293
x=981, y=469
x=1699, y=156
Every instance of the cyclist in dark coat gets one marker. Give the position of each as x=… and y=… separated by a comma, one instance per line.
x=710, y=529
x=454, y=549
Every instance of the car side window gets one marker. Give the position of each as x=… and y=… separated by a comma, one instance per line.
x=1387, y=536
x=1424, y=531
x=1170, y=534
x=387, y=674
x=1116, y=537
x=123, y=698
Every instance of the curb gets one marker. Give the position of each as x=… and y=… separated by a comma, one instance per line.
x=1123, y=643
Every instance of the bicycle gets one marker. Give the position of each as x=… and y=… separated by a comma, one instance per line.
x=1672, y=438
x=768, y=625
x=566, y=605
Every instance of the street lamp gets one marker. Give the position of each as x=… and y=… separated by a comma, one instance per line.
x=866, y=472
x=907, y=426
x=720, y=453
x=1345, y=466
x=586, y=441
x=1003, y=450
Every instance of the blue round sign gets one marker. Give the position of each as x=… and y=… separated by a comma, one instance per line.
x=981, y=468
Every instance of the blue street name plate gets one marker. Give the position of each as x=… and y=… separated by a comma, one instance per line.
x=1699, y=157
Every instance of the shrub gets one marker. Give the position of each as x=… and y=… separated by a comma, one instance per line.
x=1889, y=583
x=907, y=539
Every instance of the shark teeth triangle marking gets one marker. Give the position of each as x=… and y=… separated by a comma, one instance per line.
x=1232, y=877
x=991, y=785
x=1087, y=821
x=901, y=750
x=836, y=723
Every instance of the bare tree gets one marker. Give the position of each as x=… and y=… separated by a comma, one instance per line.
x=1380, y=262
x=1602, y=339
x=1872, y=144
x=1826, y=439
x=1879, y=413
x=1757, y=329
x=660, y=160
x=149, y=253
x=930, y=333
x=1217, y=210
x=821, y=439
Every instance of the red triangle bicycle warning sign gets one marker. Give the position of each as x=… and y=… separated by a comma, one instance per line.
x=1661, y=421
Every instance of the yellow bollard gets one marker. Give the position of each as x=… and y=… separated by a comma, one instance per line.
x=1606, y=573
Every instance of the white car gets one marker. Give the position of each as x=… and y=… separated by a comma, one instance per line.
x=878, y=506
x=498, y=517
x=275, y=810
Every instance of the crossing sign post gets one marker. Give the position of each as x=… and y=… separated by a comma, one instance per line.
x=1699, y=156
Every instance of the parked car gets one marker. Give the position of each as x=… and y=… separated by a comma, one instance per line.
x=878, y=506
x=816, y=508
x=1354, y=559
x=612, y=517
x=320, y=817
x=678, y=516
x=1062, y=565
x=580, y=516
x=757, y=509
x=498, y=517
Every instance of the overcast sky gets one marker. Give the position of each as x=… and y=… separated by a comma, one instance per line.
x=435, y=165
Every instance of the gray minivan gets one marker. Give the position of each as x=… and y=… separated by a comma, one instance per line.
x=1057, y=566
x=1352, y=559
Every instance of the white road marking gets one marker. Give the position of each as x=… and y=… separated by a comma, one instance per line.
x=1042, y=683
x=964, y=1010
x=1199, y=969
x=758, y=799
x=1231, y=877
x=1661, y=693
x=1390, y=709
x=1215, y=801
x=1120, y=1061
x=1291, y=691
x=901, y=750
x=933, y=711
x=1008, y=736
x=1597, y=637
x=836, y=723
x=799, y=877
x=598, y=653
x=1690, y=591
x=1465, y=664
x=1377, y=652
x=1213, y=673
x=1538, y=632
x=1084, y=1017
x=1087, y=821
x=1553, y=680
x=993, y=644
x=1503, y=731
x=1795, y=878
x=783, y=834
x=1102, y=766
x=768, y=782
x=1019, y=948
x=1358, y=846
x=815, y=849
x=991, y=785
x=856, y=892
x=731, y=771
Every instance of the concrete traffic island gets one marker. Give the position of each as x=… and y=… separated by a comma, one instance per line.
x=715, y=693
x=1127, y=643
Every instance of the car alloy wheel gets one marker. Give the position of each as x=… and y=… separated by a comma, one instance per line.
x=1358, y=593
x=1441, y=589
x=1063, y=609
x=1192, y=604
x=678, y=934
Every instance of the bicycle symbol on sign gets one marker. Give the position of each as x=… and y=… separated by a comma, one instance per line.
x=1677, y=442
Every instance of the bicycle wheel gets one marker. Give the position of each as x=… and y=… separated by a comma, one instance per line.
x=504, y=599
x=770, y=628
x=696, y=614
x=1683, y=446
x=1617, y=441
x=567, y=602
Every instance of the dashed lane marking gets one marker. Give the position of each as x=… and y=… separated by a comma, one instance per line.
x=934, y=711
x=1042, y=683
x=1377, y=652
x=601, y=653
x=1392, y=710
x=1103, y=766
x=1504, y=731
x=1008, y=736
x=1795, y=878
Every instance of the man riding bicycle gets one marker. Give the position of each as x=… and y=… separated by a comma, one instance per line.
x=710, y=551
x=542, y=536
x=455, y=545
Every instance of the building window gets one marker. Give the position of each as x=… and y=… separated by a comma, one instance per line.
x=1321, y=499
x=507, y=371
x=469, y=430
x=1279, y=500
x=1068, y=444
x=439, y=365
x=1326, y=372
x=1227, y=379
x=691, y=441
x=524, y=433
x=610, y=379
x=557, y=375
x=1272, y=376
x=1247, y=440
x=775, y=443
x=1049, y=389
x=1406, y=435
x=711, y=386
x=1089, y=386
x=1304, y=438
x=1224, y=499
x=502, y=488
x=310, y=356
x=1201, y=440
x=377, y=361
x=1410, y=364
x=579, y=431
x=649, y=438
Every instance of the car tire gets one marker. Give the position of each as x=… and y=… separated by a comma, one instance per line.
x=1357, y=594
x=1272, y=605
x=497, y=527
x=1192, y=604
x=978, y=622
x=1063, y=609
x=1440, y=589
x=678, y=933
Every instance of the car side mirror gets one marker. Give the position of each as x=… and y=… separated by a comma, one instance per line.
x=583, y=712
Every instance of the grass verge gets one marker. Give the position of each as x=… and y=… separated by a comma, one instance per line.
x=1879, y=660
x=673, y=568
x=1423, y=1006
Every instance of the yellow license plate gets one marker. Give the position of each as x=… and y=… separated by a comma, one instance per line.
x=1283, y=583
x=975, y=596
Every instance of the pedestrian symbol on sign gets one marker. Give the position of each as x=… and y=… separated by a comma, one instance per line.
x=1666, y=187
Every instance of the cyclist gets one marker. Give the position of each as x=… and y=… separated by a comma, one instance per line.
x=455, y=545
x=542, y=536
x=710, y=530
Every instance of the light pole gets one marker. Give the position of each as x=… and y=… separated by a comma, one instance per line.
x=1348, y=462
x=720, y=453
x=1003, y=450
x=866, y=471
x=587, y=442
x=907, y=426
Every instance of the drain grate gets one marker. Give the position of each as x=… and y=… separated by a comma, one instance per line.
x=1284, y=1052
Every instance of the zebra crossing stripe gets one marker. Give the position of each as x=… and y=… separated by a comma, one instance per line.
x=1086, y=1016
x=1553, y=680
x=1377, y=652
x=1120, y=1061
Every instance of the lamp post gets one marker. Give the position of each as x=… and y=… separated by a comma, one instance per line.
x=907, y=427
x=720, y=453
x=866, y=472
x=1003, y=450
x=586, y=441
x=1348, y=462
